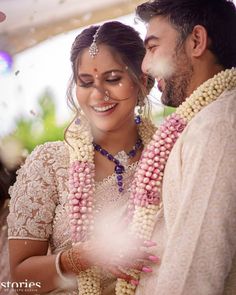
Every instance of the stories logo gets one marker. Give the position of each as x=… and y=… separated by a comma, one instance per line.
x=25, y=286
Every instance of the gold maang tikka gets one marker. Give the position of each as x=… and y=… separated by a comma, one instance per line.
x=93, y=49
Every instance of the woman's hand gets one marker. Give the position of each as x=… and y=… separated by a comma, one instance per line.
x=116, y=258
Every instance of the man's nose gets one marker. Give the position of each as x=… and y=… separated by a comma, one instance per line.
x=145, y=64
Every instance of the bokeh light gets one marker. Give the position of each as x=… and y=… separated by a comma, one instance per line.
x=5, y=62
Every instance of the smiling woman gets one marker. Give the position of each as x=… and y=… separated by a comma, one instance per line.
x=108, y=95
x=83, y=211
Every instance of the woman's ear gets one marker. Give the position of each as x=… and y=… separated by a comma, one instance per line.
x=198, y=41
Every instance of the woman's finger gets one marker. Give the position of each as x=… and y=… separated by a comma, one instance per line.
x=118, y=273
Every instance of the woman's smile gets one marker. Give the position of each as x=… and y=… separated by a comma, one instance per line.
x=104, y=108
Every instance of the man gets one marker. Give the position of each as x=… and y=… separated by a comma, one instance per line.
x=188, y=42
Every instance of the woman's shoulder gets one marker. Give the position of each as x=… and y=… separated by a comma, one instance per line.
x=50, y=154
x=53, y=149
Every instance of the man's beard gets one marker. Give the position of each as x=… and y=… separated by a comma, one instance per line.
x=176, y=72
x=176, y=87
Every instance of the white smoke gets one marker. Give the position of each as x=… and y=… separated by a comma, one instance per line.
x=161, y=68
x=113, y=240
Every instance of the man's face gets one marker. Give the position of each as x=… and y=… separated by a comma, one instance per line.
x=167, y=61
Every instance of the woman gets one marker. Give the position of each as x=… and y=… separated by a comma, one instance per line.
x=82, y=213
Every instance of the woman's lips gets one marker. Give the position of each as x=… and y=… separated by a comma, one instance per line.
x=104, y=109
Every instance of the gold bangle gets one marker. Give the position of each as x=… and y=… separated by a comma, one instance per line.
x=58, y=268
x=75, y=264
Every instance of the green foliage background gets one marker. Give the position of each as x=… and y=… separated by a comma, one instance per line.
x=42, y=127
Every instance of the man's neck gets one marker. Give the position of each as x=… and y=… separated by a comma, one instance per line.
x=202, y=73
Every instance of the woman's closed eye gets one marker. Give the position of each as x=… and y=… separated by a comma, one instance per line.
x=85, y=84
x=113, y=79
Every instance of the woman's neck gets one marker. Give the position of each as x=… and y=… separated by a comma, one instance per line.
x=118, y=140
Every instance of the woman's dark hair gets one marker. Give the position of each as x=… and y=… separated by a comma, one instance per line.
x=123, y=41
x=217, y=16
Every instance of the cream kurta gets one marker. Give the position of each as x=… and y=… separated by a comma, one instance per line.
x=196, y=229
x=39, y=197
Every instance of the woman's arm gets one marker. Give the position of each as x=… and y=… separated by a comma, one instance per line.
x=34, y=198
x=29, y=262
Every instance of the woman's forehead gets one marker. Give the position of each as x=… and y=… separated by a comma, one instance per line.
x=105, y=60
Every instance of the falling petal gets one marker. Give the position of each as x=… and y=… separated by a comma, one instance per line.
x=32, y=112
x=87, y=16
x=136, y=20
x=2, y=16
x=3, y=104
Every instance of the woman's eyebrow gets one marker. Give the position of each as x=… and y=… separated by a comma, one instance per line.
x=85, y=75
x=112, y=71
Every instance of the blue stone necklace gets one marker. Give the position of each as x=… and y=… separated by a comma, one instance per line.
x=120, y=160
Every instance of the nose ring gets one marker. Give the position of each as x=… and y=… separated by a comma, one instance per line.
x=106, y=97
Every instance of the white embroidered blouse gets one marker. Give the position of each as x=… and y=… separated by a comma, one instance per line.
x=38, y=200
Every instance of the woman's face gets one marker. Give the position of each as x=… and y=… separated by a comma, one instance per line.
x=102, y=76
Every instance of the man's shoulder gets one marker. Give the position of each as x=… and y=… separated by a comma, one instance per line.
x=214, y=121
x=223, y=110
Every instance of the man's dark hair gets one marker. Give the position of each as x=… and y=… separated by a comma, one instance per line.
x=217, y=16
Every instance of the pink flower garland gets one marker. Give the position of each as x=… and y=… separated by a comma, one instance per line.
x=81, y=186
x=146, y=187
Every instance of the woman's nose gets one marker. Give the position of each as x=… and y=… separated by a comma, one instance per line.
x=98, y=92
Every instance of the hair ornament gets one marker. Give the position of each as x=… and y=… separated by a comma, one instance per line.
x=93, y=49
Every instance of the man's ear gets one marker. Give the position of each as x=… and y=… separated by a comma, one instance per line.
x=198, y=41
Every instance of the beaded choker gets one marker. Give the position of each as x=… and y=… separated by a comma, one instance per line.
x=120, y=160
x=145, y=197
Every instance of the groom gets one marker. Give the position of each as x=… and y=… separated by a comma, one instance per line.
x=187, y=43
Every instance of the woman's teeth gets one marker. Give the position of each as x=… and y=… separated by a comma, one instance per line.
x=105, y=108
